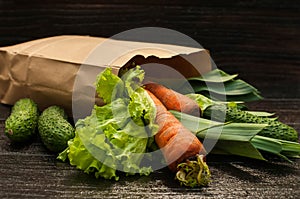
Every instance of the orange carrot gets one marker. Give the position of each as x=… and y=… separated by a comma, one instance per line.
x=179, y=146
x=173, y=100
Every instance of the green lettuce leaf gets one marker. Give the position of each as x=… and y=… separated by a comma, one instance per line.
x=109, y=86
x=115, y=136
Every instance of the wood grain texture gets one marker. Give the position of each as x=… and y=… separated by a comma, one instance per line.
x=30, y=171
x=35, y=176
x=259, y=40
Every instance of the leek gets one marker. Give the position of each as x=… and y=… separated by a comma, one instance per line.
x=219, y=85
x=239, y=139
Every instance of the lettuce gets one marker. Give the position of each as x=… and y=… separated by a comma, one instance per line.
x=109, y=86
x=115, y=136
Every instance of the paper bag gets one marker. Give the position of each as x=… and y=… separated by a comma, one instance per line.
x=46, y=70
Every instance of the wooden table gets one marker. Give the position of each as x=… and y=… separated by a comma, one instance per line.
x=29, y=171
x=258, y=40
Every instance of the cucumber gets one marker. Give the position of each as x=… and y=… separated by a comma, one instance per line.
x=55, y=110
x=54, y=129
x=275, y=128
x=21, y=125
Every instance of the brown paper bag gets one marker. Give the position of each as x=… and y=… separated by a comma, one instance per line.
x=45, y=70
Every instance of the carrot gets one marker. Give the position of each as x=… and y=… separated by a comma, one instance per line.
x=180, y=147
x=174, y=100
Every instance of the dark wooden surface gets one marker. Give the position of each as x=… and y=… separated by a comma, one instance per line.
x=259, y=40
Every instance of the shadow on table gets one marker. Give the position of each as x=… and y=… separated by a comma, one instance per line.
x=254, y=171
x=227, y=173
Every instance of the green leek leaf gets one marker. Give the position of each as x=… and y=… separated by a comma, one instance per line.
x=219, y=85
x=249, y=97
x=237, y=87
x=267, y=144
x=217, y=76
x=239, y=138
x=233, y=138
x=238, y=148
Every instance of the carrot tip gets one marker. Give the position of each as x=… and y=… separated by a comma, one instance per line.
x=193, y=173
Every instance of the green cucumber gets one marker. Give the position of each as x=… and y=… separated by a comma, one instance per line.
x=21, y=125
x=55, y=110
x=54, y=129
x=275, y=128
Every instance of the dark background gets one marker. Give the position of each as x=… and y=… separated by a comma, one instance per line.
x=259, y=37
x=259, y=40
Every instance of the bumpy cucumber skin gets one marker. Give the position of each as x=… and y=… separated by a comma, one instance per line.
x=55, y=110
x=21, y=125
x=54, y=129
x=275, y=128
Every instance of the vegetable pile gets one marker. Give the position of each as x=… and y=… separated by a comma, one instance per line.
x=139, y=119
